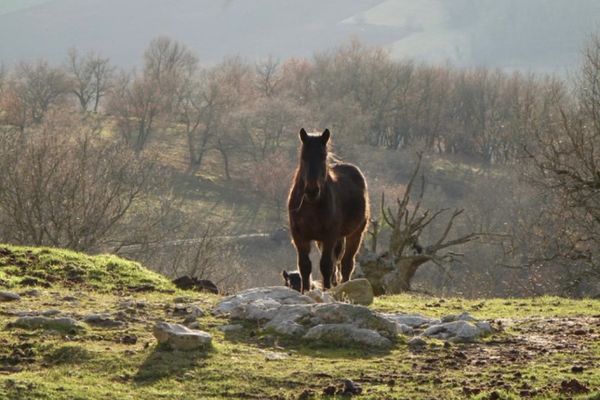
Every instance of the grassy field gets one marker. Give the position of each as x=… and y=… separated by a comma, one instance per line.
x=539, y=341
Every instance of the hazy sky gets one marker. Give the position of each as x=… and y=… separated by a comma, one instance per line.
x=530, y=35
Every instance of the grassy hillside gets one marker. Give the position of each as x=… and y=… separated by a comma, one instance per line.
x=539, y=342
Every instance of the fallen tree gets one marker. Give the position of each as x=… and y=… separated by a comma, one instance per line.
x=392, y=270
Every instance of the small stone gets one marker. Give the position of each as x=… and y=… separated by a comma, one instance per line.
x=230, y=328
x=465, y=316
x=38, y=322
x=417, y=343
x=351, y=388
x=103, y=321
x=196, y=311
x=275, y=356
x=182, y=299
x=194, y=325
x=188, y=309
x=329, y=390
x=129, y=339
x=180, y=337
x=133, y=304
x=9, y=296
x=307, y=394
x=50, y=313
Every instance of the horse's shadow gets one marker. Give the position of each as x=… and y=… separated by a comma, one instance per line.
x=164, y=363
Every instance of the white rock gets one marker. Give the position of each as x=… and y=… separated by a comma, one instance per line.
x=455, y=331
x=286, y=320
x=180, y=337
x=279, y=294
x=412, y=320
x=347, y=334
x=359, y=316
x=485, y=327
x=405, y=329
x=257, y=310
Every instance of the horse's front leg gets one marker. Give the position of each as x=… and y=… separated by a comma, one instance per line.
x=327, y=263
x=304, y=264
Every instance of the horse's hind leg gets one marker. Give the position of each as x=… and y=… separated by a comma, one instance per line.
x=352, y=245
x=304, y=264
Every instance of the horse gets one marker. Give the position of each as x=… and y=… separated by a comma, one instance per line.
x=327, y=203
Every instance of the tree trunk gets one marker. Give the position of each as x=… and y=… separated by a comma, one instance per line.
x=387, y=276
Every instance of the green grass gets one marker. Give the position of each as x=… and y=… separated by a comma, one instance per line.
x=543, y=306
x=49, y=267
x=95, y=364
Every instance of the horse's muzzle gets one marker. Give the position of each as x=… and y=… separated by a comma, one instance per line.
x=312, y=194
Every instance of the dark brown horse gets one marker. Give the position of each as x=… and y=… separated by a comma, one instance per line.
x=327, y=204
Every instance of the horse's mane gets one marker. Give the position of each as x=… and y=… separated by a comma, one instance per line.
x=333, y=159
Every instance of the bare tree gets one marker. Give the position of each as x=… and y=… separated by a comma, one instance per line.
x=268, y=76
x=135, y=102
x=170, y=65
x=2, y=78
x=30, y=92
x=65, y=186
x=91, y=76
x=140, y=102
x=41, y=86
x=565, y=156
x=393, y=270
x=200, y=109
x=271, y=178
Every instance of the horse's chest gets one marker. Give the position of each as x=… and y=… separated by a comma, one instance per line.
x=311, y=227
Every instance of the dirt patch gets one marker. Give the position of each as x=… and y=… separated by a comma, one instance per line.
x=501, y=363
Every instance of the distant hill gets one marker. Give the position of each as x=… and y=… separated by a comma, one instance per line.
x=537, y=35
x=213, y=28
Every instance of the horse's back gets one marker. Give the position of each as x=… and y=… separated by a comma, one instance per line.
x=348, y=174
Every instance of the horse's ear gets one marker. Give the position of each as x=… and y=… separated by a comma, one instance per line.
x=303, y=135
x=325, y=136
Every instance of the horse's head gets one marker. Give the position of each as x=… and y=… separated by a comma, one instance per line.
x=292, y=280
x=313, y=164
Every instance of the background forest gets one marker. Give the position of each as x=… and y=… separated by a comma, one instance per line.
x=186, y=166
